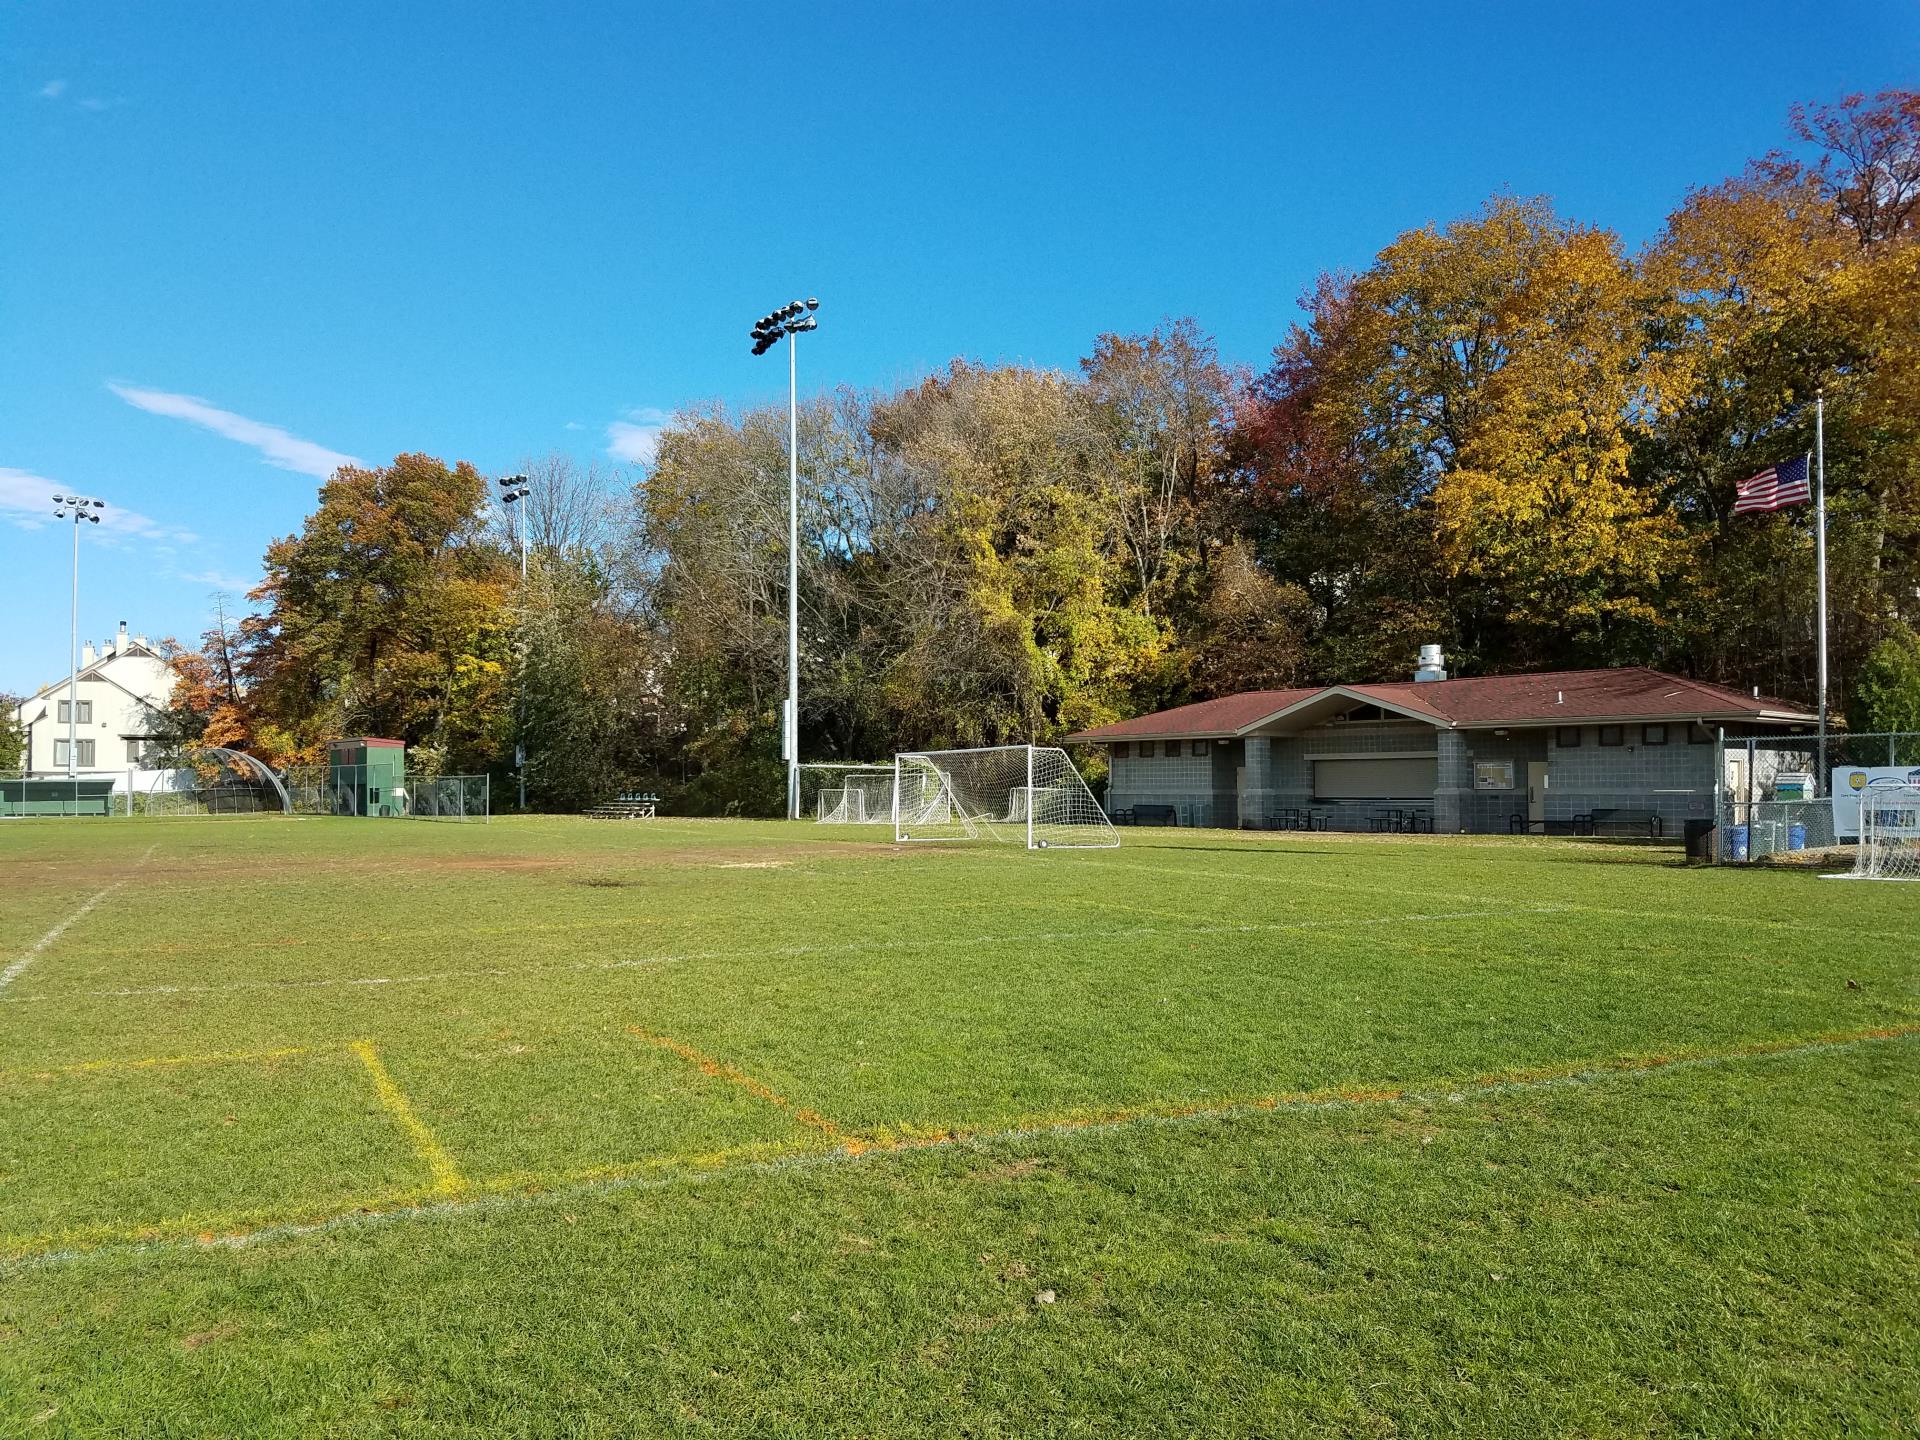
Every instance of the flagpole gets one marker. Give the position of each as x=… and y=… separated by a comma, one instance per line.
x=1820, y=556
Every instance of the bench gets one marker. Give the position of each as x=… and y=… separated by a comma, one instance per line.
x=1618, y=822
x=1148, y=815
x=1518, y=824
x=626, y=807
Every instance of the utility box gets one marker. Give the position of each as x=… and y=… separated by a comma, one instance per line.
x=367, y=776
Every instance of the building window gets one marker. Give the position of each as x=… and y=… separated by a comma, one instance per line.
x=135, y=749
x=1567, y=737
x=1613, y=734
x=86, y=712
x=1146, y=749
x=1119, y=750
x=1173, y=749
x=85, y=761
x=1653, y=734
x=1699, y=735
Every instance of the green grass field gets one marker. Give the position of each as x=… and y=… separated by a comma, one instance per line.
x=552, y=1128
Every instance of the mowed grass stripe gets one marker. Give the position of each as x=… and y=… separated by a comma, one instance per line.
x=451, y=1197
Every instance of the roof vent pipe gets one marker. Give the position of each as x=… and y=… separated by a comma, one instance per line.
x=1756, y=692
x=1432, y=664
x=1559, y=697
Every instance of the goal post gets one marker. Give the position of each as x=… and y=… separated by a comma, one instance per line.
x=847, y=793
x=1026, y=795
x=1889, y=844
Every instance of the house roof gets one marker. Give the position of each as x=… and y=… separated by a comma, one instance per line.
x=1557, y=697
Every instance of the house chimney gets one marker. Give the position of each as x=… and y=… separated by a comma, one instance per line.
x=1432, y=664
x=86, y=654
x=120, y=638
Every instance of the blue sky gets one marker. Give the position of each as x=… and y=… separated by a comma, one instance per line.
x=242, y=241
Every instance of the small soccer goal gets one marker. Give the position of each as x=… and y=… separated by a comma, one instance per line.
x=1028, y=795
x=1889, y=847
x=838, y=793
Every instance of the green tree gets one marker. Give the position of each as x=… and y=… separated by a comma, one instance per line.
x=13, y=735
x=1885, y=693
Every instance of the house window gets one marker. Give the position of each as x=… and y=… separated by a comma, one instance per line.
x=1613, y=734
x=1567, y=737
x=1653, y=734
x=1119, y=749
x=134, y=747
x=86, y=712
x=85, y=761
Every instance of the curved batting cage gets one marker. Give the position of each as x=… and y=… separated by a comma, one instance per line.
x=209, y=781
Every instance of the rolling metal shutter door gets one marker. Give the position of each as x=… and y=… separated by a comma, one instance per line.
x=1403, y=779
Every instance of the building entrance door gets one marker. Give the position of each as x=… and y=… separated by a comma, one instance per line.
x=1536, y=794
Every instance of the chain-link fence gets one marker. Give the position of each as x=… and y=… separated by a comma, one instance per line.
x=1797, y=796
x=211, y=781
x=449, y=797
x=375, y=792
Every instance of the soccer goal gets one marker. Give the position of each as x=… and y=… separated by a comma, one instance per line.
x=1889, y=847
x=1027, y=795
x=847, y=794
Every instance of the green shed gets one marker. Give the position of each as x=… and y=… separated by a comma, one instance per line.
x=367, y=776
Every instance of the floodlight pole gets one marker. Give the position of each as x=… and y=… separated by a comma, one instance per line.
x=515, y=490
x=82, y=509
x=789, y=321
x=73, y=657
x=793, y=576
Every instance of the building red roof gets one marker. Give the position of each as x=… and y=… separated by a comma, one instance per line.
x=1558, y=697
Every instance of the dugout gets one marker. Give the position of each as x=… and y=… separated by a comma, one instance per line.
x=366, y=776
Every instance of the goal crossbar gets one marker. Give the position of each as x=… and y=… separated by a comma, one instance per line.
x=1027, y=795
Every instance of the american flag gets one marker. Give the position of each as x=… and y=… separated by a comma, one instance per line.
x=1773, y=487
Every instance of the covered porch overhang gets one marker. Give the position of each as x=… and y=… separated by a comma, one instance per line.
x=1335, y=700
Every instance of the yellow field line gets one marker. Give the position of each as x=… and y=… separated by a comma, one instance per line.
x=156, y=1062
x=707, y=1065
x=228, y=1229
x=446, y=1175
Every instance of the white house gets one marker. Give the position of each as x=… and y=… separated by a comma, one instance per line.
x=121, y=683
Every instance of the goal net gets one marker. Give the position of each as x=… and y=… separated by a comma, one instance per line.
x=847, y=794
x=1027, y=795
x=1889, y=846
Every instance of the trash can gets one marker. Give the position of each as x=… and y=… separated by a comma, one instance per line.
x=1737, y=842
x=1796, y=836
x=1699, y=839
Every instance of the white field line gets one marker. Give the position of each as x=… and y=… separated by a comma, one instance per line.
x=39, y=947
x=793, y=952
x=978, y=1142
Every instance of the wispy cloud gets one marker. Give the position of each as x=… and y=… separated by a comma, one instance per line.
x=52, y=90
x=636, y=439
x=276, y=446
x=26, y=501
x=214, y=580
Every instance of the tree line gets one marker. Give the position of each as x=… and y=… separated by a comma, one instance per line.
x=1509, y=434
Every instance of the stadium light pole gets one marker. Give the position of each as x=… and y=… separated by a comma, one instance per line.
x=514, y=490
x=79, y=507
x=789, y=320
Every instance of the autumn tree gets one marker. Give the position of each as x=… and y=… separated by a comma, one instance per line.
x=387, y=615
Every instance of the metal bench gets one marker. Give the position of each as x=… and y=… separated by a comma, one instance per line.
x=1624, y=822
x=1155, y=815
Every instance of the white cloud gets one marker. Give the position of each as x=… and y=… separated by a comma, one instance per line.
x=214, y=580
x=636, y=439
x=53, y=90
x=276, y=446
x=26, y=500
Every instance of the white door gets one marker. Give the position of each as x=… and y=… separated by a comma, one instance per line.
x=1536, y=793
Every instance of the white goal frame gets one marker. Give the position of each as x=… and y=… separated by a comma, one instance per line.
x=1026, y=795
x=1889, y=843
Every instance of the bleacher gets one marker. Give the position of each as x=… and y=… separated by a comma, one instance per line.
x=630, y=806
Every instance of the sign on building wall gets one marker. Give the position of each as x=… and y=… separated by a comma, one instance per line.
x=1850, y=782
x=1493, y=775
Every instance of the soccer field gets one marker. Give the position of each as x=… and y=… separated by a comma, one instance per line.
x=551, y=1127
